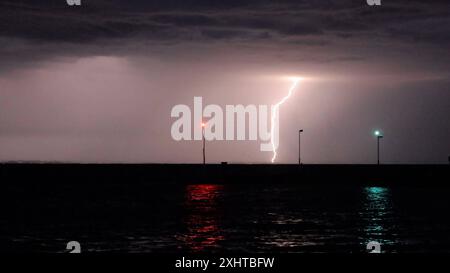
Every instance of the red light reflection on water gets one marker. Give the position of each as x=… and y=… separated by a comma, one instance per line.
x=202, y=221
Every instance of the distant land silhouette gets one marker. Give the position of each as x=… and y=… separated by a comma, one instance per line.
x=225, y=173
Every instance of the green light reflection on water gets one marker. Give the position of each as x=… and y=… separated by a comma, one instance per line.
x=377, y=213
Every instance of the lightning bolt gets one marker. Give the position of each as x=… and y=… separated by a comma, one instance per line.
x=275, y=110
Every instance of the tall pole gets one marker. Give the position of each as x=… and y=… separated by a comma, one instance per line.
x=379, y=136
x=378, y=150
x=203, y=134
x=299, y=147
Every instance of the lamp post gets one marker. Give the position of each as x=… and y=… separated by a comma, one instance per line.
x=379, y=136
x=203, y=138
x=299, y=146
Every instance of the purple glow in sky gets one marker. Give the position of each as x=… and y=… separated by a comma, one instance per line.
x=99, y=85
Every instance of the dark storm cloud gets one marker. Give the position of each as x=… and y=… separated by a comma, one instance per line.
x=31, y=32
x=54, y=21
x=434, y=31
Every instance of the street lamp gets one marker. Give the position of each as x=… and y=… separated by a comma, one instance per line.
x=299, y=146
x=379, y=136
x=203, y=138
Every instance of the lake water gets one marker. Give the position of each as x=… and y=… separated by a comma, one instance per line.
x=224, y=218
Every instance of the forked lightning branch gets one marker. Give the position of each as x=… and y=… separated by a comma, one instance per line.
x=213, y=123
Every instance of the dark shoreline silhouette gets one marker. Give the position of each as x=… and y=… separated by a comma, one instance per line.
x=227, y=173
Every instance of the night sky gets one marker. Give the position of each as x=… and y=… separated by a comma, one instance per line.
x=97, y=83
